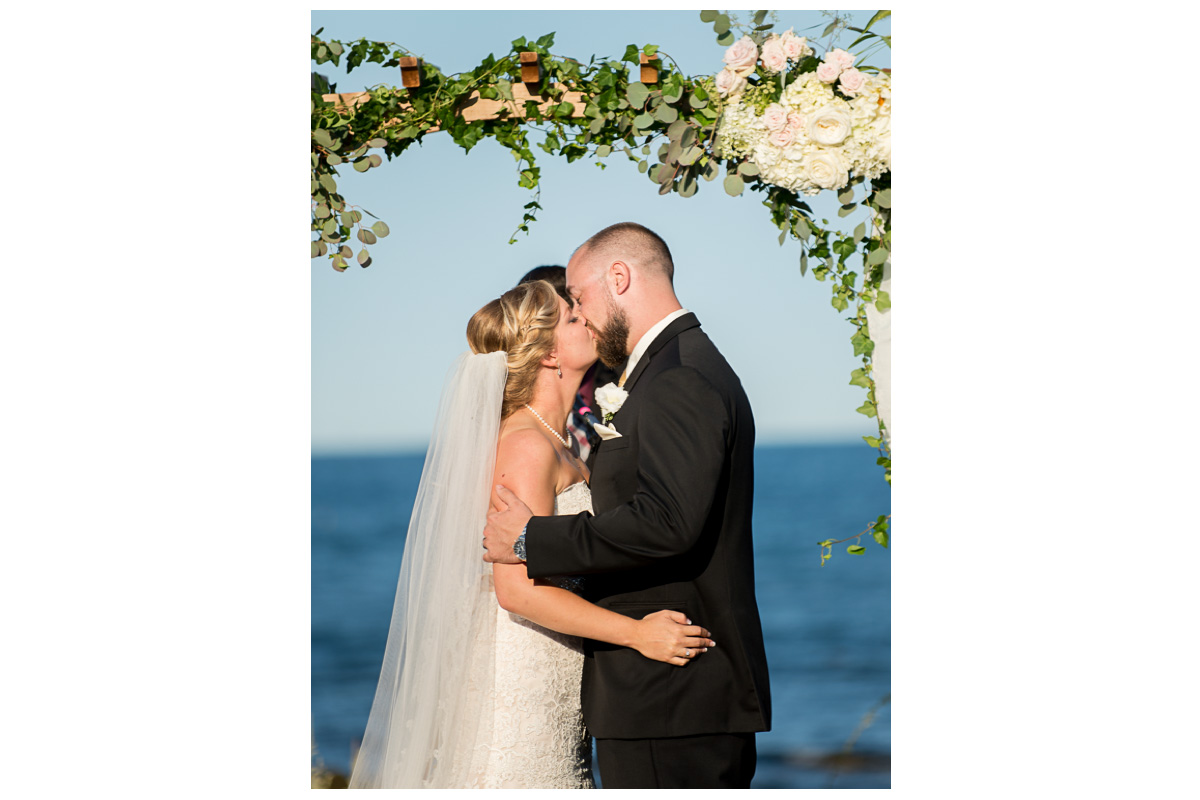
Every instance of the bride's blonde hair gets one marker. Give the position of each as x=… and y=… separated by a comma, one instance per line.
x=520, y=322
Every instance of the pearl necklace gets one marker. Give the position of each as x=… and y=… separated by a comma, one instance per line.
x=547, y=424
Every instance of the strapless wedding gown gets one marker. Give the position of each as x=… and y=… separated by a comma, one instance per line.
x=538, y=740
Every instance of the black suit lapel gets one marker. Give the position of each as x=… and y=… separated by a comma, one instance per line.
x=668, y=333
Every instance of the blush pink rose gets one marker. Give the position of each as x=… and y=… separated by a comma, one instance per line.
x=795, y=120
x=828, y=72
x=851, y=81
x=775, y=117
x=796, y=47
x=742, y=56
x=729, y=82
x=782, y=137
x=840, y=57
x=773, y=56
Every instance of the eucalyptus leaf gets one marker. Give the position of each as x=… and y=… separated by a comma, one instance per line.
x=688, y=186
x=877, y=256
x=327, y=181
x=643, y=121
x=363, y=256
x=666, y=113
x=733, y=185
x=381, y=229
x=725, y=39
x=365, y=236
x=708, y=16
x=375, y=159
x=721, y=25
x=860, y=231
x=321, y=137
x=847, y=210
x=675, y=130
x=316, y=248
x=321, y=211
x=690, y=155
x=884, y=198
x=362, y=165
x=603, y=150
x=643, y=166
x=747, y=169
x=345, y=251
x=846, y=195
x=803, y=263
x=334, y=159
x=377, y=142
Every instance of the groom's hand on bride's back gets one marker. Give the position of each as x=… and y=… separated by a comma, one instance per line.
x=503, y=527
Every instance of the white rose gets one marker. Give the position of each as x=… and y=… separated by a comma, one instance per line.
x=773, y=56
x=729, y=82
x=742, y=56
x=851, y=81
x=829, y=126
x=796, y=47
x=840, y=57
x=782, y=137
x=825, y=169
x=775, y=117
x=610, y=398
x=828, y=72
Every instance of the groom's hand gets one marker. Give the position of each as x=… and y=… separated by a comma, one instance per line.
x=503, y=527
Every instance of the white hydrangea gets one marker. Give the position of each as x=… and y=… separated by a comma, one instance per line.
x=807, y=166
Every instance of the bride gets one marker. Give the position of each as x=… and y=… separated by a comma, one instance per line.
x=481, y=674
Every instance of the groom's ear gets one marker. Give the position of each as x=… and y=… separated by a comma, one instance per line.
x=619, y=273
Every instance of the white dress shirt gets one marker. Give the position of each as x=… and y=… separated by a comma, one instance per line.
x=639, y=349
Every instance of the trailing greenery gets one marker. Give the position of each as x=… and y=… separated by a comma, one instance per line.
x=666, y=129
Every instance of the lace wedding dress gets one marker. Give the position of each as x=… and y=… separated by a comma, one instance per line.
x=470, y=695
x=538, y=740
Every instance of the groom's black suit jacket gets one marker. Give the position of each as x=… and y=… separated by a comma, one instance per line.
x=672, y=499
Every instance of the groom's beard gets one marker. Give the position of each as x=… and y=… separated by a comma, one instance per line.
x=612, y=342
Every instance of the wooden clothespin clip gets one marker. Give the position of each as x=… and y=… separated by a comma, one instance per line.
x=531, y=68
x=649, y=68
x=410, y=72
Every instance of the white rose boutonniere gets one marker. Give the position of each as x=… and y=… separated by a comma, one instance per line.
x=610, y=398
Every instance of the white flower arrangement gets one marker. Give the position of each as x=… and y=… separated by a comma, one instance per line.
x=828, y=125
x=610, y=398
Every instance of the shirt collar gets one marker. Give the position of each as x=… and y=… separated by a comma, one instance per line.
x=648, y=338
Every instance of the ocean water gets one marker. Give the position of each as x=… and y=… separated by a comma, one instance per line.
x=827, y=629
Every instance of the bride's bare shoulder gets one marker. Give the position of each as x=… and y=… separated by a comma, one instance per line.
x=525, y=444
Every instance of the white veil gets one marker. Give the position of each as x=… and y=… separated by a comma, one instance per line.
x=432, y=711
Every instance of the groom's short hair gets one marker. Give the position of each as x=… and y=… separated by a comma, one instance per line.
x=629, y=240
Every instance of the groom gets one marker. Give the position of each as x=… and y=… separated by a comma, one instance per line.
x=672, y=493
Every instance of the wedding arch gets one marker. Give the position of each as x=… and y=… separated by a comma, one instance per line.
x=777, y=119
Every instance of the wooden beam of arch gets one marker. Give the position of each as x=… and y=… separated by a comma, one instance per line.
x=477, y=108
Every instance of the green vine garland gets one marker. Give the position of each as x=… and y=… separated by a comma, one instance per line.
x=667, y=129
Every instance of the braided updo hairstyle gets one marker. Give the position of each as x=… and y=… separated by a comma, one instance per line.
x=520, y=322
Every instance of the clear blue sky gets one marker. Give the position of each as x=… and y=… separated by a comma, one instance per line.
x=383, y=337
